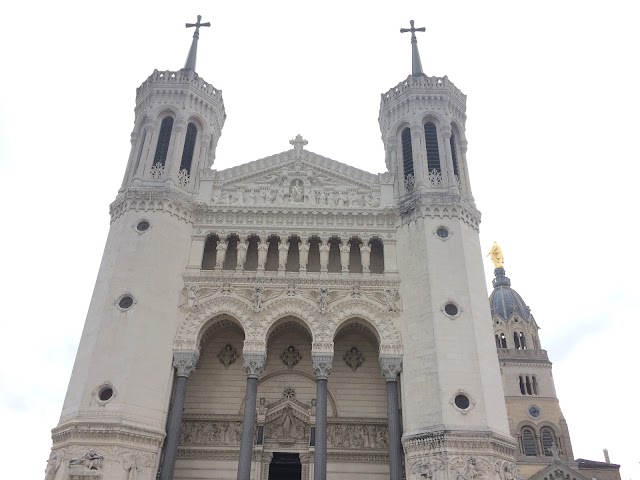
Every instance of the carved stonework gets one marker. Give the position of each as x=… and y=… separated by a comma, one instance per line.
x=357, y=436
x=290, y=357
x=185, y=362
x=322, y=365
x=254, y=363
x=391, y=367
x=353, y=358
x=88, y=465
x=286, y=428
x=289, y=393
x=210, y=432
x=228, y=355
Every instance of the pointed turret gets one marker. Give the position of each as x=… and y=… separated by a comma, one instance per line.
x=416, y=64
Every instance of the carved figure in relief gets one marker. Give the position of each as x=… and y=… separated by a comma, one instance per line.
x=313, y=197
x=279, y=198
x=53, y=464
x=242, y=253
x=262, y=406
x=345, y=250
x=297, y=191
x=290, y=357
x=90, y=460
x=133, y=463
x=353, y=200
x=292, y=290
x=324, y=293
x=496, y=256
x=390, y=298
x=341, y=200
x=257, y=298
x=263, y=248
x=303, y=249
x=283, y=250
x=353, y=358
x=189, y=297
x=251, y=198
x=227, y=355
x=365, y=256
x=221, y=253
x=263, y=197
x=369, y=201
x=312, y=410
x=331, y=199
x=324, y=255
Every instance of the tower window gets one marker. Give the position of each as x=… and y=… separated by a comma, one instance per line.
x=189, y=146
x=528, y=442
x=407, y=153
x=433, y=152
x=522, y=385
x=454, y=154
x=162, y=149
x=519, y=341
x=548, y=439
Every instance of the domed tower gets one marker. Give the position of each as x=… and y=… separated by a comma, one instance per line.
x=115, y=411
x=535, y=417
x=454, y=417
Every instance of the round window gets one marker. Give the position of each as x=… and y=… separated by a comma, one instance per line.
x=105, y=393
x=451, y=310
x=442, y=232
x=143, y=226
x=462, y=402
x=125, y=302
x=534, y=411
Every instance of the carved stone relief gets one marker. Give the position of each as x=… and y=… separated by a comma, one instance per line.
x=286, y=427
x=228, y=355
x=357, y=436
x=290, y=357
x=210, y=432
x=353, y=358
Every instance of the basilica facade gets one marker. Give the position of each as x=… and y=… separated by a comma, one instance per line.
x=298, y=318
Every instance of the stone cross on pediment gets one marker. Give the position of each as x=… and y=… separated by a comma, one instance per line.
x=298, y=144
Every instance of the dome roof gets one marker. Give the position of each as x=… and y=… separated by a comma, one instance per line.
x=505, y=301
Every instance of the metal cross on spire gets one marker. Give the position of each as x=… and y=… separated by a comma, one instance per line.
x=416, y=64
x=190, y=64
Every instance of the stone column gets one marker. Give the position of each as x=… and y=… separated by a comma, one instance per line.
x=322, y=368
x=175, y=149
x=254, y=365
x=420, y=167
x=391, y=367
x=463, y=166
x=185, y=363
x=451, y=178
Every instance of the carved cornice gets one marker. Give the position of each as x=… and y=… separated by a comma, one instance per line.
x=249, y=279
x=153, y=198
x=434, y=441
x=79, y=431
x=438, y=205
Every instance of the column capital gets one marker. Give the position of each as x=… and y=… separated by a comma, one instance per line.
x=254, y=363
x=322, y=365
x=417, y=131
x=391, y=366
x=185, y=362
x=446, y=131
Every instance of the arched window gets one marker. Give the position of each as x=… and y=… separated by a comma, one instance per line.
x=548, y=439
x=189, y=146
x=519, y=341
x=407, y=153
x=162, y=149
x=433, y=151
x=454, y=154
x=209, y=254
x=528, y=442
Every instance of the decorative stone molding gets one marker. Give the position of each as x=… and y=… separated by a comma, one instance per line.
x=472, y=401
x=391, y=367
x=254, y=363
x=185, y=362
x=322, y=363
x=82, y=431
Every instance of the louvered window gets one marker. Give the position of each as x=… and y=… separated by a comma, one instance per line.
x=528, y=441
x=407, y=152
x=162, y=149
x=189, y=146
x=454, y=154
x=548, y=440
x=433, y=152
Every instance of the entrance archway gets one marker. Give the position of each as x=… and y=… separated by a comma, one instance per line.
x=285, y=466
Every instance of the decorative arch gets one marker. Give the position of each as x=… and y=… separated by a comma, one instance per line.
x=288, y=320
x=278, y=309
x=379, y=319
x=434, y=118
x=196, y=323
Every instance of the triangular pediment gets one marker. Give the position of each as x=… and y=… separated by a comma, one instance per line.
x=558, y=471
x=297, y=179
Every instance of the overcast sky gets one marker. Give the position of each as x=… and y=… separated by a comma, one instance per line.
x=552, y=128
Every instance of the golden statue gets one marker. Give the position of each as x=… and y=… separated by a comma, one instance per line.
x=496, y=256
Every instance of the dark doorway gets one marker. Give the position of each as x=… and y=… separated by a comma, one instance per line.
x=285, y=466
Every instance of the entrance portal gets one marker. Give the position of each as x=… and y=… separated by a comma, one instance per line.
x=285, y=466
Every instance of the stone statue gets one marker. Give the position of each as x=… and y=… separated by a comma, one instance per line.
x=242, y=253
x=251, y=198
x=390, y=298
x=303, y=249
x=324, y=255
x=257, y=298
x=283, y=250
x=263, y=248
x=312, y=410
x=221, y=253
x=353, y=200
x=53, y=464
x=353, y=358
x=324, y=293
x=90, y=461
x=279, y=199
x=365, y=256
x=290, y=357
x=496, y=256
x=297, y=191
x=288, y=423
x=345, y=250
x=262, y=406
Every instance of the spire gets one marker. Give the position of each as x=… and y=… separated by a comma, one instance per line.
x=190, y=64
x=416, y=64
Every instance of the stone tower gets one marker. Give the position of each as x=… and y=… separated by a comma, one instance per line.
x=535, y=418
x=291, y=318
x=453, y=404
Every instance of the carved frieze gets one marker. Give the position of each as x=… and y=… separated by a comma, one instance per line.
x=357, y=436
x=210, y=433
